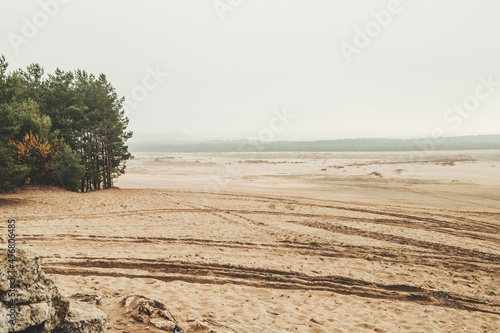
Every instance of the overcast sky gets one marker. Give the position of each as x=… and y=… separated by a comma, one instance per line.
x=341, y=68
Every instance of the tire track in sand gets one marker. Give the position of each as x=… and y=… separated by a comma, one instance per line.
x=205, y=273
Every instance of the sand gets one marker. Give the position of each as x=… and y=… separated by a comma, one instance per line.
x=282, y=242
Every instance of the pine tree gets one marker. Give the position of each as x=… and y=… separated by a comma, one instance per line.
x=68, y=129
x=11, y=174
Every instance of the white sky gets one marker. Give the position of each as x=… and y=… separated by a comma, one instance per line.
x=227, y=76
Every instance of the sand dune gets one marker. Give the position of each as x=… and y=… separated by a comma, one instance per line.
x=282, y=245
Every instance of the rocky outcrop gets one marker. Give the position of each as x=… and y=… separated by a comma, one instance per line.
x=39, y=307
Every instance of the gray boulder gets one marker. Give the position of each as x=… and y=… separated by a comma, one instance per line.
x=83, y=318
x=40, y=308
x=4, y=325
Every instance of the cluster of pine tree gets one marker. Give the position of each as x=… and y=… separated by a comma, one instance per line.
x=66, y=129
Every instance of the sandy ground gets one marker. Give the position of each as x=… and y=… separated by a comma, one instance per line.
x=282, y=242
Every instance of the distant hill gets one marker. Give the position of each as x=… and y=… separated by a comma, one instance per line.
x=480, y=142
x=163, y=137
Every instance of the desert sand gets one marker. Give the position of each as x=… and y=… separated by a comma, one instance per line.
x=281, y=242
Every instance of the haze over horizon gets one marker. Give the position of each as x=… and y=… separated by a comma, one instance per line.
x=417, y=69
x=321, y=136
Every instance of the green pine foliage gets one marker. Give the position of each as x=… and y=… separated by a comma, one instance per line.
x=65, y=129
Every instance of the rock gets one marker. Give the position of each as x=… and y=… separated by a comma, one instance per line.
x=4, y=324
x=83, y=318
x=37, y=314
x=43, y=290
x=198, y=326
x=163, y=324
x=149, y=312
x=40, y=306
x=93, y=299
x=27, y=267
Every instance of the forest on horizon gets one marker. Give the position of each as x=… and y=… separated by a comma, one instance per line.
x=479, y=142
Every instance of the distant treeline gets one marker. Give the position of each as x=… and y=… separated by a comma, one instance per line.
x=66, y=129
x=346, y=145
